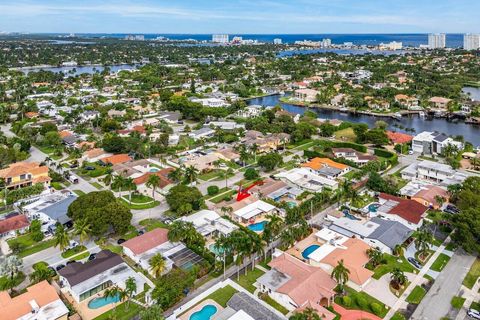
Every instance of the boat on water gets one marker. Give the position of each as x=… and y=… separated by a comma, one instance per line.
x=421, y=114
x=397, y=116
x=344, y=109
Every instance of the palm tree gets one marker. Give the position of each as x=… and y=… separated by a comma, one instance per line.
x=153, y=182
x=341, y=274
x=118, y=183
x=41, y=272
x=108, y=177
x=153, y=312
x=272, y=229
x=114, y=292
x=130, y=185
x=61, y=237
x=157, y=265
x=254, y=150
x=82, y=230
x=398, y=278
x=175, y=175
x=191, y=174
x=398, y=250
x=375, y=256
x=223, y=242
x=130, y=288
x=226, y=210
x=422, y=241
x=288, y=238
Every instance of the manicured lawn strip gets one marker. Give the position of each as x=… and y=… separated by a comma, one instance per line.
x=141, y=206
x=36, y=248
x=99, y=170
x=56, y=185
x=457, y=302
x=151, y=224
x=71, y=252
x=220, y=198
x=397, y=316
x=248, y=280
x=209, y=175
x=138, y=198
x=475, y=305
x=25, y=240
x=472, y=275
x=221, y=296
x=440, y=263
x=274, y=304
x=96, y=185
x=389, y=263
x=81, y=256
x=416, y=295
x=78, y=192
x=354, y=295
x=114, y=249
x=122, y=312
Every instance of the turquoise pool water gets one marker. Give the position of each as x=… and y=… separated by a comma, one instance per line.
x=350, y=216
x=100, y=302
x=259, y=226
x=291, y=204
x=373, y=207
x=309, y=250
x=154, y=170
x=205, y=314
x=217, y=251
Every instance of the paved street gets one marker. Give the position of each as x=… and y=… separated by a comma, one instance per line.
x=436, y=304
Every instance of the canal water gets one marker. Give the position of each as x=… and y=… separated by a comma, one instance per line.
x=78, y=70
x=470, y=132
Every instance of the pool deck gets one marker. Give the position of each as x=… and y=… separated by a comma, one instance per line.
x=198, y=307
x=84, y=311
x=298, y=248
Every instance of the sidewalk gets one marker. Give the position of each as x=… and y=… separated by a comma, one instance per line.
x=471, y=295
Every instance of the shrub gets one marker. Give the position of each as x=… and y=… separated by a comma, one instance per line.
x=376, y=308
x=251, y=174
x=212, y=190
x=362, y=302
x=347, y=301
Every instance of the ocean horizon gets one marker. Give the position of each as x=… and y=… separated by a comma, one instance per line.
x=454, y=40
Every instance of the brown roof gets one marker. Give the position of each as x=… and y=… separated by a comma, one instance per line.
x=410, y=210
x=306, y=283
x=19, y=168
x=95, y=153
x=117, y=158
x=78, y=272
x=147, y=241
x=398, y=137
x=354, y=258
x=268, y=186
x=14, y=308
x=65, y=133
x=430, y=193
x=14, y=223
x=162, y=174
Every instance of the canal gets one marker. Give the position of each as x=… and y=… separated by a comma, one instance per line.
x=470, y=132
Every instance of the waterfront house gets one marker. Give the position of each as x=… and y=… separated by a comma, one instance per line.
x=295, y=284
x=407, y=101
x=439, y=103
x=307, y=95
x=429, y=143
x=84, y=280
x=350, y=154
x=399, y=138
x=39, y=302
x=25, y=174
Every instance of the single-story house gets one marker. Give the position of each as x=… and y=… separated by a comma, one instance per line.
x=10, y=225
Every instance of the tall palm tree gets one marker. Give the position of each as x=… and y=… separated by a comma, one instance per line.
x=157, y=265
x=226, y=210
x=228, y=173
x=176, y=231
x=82, y=230
x=375, y=256
x=254, y=150
x=153, y=312
x=153, y=183
x=108, y=178
x=191, y=174
x=422, y=241
x=175, y=175
x=130, y=288
x=223, y=246
x=61, y=237
x=118, y=183
x=341, y=274
x=398, y=278
x=130, y=185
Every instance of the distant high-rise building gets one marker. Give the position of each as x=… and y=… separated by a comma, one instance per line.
x=277, y=41
x=471, y=41
x=437, y=40
x=220, y=38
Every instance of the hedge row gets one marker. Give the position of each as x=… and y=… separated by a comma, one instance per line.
x=390, y=156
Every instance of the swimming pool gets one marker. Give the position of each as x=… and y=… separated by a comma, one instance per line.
x=291, y=204
x=101, y=302
x=309, y=250
x=258, y=227
x=349, y=215
x=213, y=248
x=154, y=170
x=373, y=207
x=205, y=313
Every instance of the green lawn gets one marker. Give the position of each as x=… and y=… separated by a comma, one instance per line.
x=472, y=275
x=220, y=198
x=122, y=312
x=440, y=263
x=151, y=224
x=398, y=316
x=357, y=296
x=78, y=192
x=451, y=246
x=221, y=296
x=141, y=206
x=416, y=295
x=475, y=305
x=71, y=252
x=80, y=256
x=248, y=280
x=138, y=199
x=29, y=246
x=17, y=280
x=389, y=263
x=457, y=302
x=57, y=185
x=210, y=175
x=96, y=185
x=99, y=170
x=114, y=248
x=274, y=304
x=345, y=135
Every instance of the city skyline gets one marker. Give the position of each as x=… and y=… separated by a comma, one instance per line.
x=241, y=17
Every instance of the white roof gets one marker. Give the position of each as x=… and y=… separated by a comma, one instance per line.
x=305, y=179
x=335, y=240
x=208, y=221
x=355, y=226
x=254, y=209
x=424, y=136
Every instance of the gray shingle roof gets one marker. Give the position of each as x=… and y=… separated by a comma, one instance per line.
x=242, y=301
x=390, y=232
x=58, y=210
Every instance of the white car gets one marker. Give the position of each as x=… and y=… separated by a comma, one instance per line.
x=475, y=314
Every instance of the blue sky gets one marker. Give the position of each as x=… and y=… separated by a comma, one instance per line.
x=242, y=16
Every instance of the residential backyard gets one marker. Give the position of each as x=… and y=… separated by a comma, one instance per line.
x=221, y=296
x=249, y=279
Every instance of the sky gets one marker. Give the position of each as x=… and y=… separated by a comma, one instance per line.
x=241, y=17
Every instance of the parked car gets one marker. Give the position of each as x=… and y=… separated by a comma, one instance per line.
x=475, y=314
x=120, y=241
x=71, y=245
x=59, y=267
x=70, y=262
x=415, y=262
x=92, y=256
x=140, y=232
x=450, y=208
x=89, y=168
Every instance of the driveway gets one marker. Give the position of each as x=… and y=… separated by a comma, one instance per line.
x=436, y=303
x=380, y=289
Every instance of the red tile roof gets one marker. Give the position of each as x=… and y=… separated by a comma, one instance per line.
x=410, y=210
x=147, y=241
x=398, y=137
x=116, y=159
x=162, y=174
x=13, y=223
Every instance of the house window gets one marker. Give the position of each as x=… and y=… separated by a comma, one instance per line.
x=93, y=291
